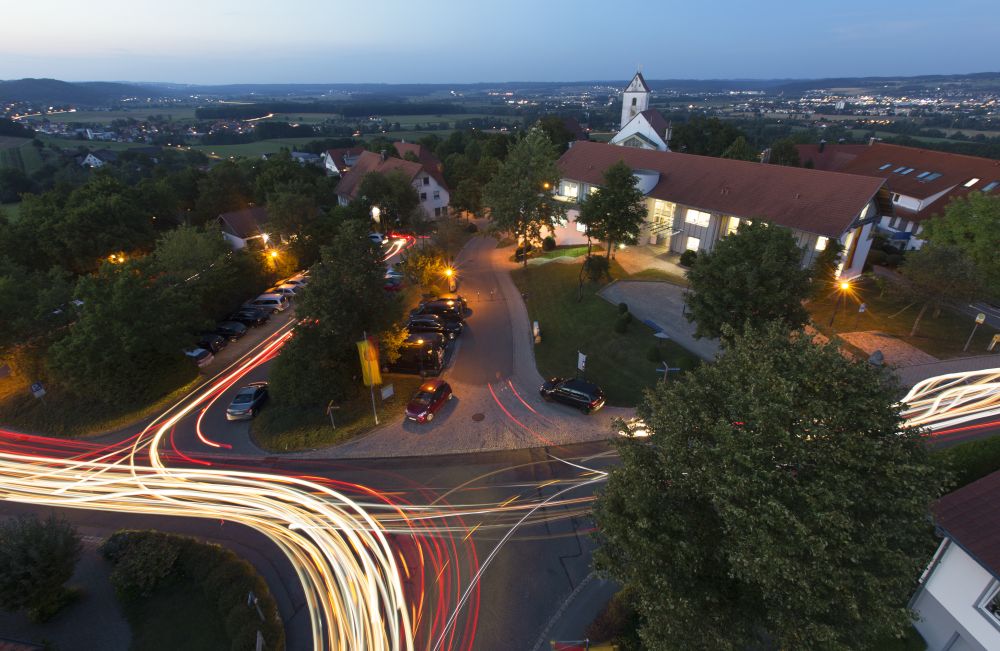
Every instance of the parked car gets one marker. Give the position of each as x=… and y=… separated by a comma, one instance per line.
x=250, y=316
x=433, y=323
x=392, y=284
x=457, y=298
x=432, y=338
x=421, y=358
x=376, y=238
x=200, y=356
x=212, y=342
x=231, y=330
x=247, y=401
x=274, y=302
x=446, y=310
x=428, y=399
x=585, y=396
x=288, y=291
x=298, y=281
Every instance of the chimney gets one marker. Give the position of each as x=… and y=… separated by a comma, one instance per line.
x=873, y=140
x=382, y=154
x=822, y=145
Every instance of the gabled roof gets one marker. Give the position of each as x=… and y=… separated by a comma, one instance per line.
x=970, y=517
x=428, y=160
x=656, y=120
x=824, y=203
x=105, y=155
x=930, y=172
x=641, y=83
x=340, y=155
x=371, y=162
x=244, y=223
x=833, y=158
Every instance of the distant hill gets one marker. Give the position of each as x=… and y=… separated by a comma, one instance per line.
x=88, y=93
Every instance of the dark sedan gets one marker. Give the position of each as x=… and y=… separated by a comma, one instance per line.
x=434, y=323
x=247, y=401
x=429, y=398
x=231, y=330
x=250, y=317
x=575, y=392
x=447, y=310
x=212, y=342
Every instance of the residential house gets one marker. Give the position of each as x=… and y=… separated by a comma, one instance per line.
x=98, y=158
x=338, y=161
x=306, y=158
x=922, y=181
x=242, y=228
x=694, y=201
x=958, y=601
x=641, y=126
x=425, y=176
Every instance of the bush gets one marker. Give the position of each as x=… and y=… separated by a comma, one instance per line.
x=471, y=228
x=36, y=559
x=622, y=308
x=621, y=324
x=688, y=258
x=893, y=260
x=522, y=251
x=876, y=257
x=972, y=460
x=142, y=560
x=617, y=623
x=596, y=267
x=654, y=354
x=549, y=243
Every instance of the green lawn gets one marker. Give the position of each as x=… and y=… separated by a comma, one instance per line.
x=252, y=149
x=19, y=153
x=140, y=113
x=176, y=615
x=285, y=428
x=68, y=143
x=942, y=337
x=617, y=362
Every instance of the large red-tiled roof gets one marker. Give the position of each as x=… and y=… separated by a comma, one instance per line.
x=428, y=160
x=657, y=121
x=338, y=155
x=971, y=518
x=824, y=203
x=955, y=171
x=371, y=162
x=833, y=158
x=244, y=223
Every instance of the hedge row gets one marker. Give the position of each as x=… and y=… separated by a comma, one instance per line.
x=972, y=460
x=142, y=559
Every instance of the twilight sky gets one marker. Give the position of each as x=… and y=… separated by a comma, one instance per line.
x=297, y=41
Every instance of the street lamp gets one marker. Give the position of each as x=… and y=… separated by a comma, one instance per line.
x=449, y=273
x=420, y=356
x=843, y=288
x=376, y=211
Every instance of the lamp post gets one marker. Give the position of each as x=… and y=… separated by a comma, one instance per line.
x=376, y=213
x=420, y=356
x=843, y=287
x=449, y=273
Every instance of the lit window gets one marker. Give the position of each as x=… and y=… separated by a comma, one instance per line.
x=593, y=189
x=886, y=166
x=922, y=175
x=971, y=182
x=899, y=169
x=989, y=186
x=821, y=243
x=733, y=225
x=570, y=189
x=693, y=243
x=907, y=170
x=697, y=217
x=990, y=605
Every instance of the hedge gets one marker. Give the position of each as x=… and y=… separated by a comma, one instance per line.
x=143, y=559
x=972, y=460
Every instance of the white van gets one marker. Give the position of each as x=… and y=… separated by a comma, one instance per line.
x=273, y=302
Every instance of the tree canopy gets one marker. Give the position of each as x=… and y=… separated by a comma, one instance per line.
x=616, y=210
x=752, y=276
x=778, y=503
x=703, y=135
x=972, y=224
x=935, y=276
x=36, y=559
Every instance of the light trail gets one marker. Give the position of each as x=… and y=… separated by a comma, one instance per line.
x=950, y=400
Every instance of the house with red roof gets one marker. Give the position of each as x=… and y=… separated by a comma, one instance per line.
x=694, y=201
x=338, y=161
x=922, y=181
x=416, y=163
x=641, y=126
x=958, y=601
x=240, y=228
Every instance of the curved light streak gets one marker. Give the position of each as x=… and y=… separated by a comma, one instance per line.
x=952, y=399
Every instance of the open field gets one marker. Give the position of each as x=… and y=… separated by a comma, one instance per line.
x=19, y=153
x=105, y=117
x=252, y=149
x=616, y=361
x=67, y=143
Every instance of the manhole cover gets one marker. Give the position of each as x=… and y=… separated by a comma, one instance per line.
x=478, y=417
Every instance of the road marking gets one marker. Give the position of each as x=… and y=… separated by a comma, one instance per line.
x=472, y=531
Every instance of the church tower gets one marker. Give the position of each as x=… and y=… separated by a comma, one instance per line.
x=635, y=99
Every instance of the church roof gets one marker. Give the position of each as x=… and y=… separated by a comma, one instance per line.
x=642, y=82
x=657, y=121
x=824, y=203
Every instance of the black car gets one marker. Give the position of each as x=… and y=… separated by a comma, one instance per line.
x=231, y=330
x=447, y=310
x=247, y=401
x=250, y=317
x=433, y=323
x=431, y=338
x=424, y=359
x=585, y=396
x=455, y=298
x=212, y=342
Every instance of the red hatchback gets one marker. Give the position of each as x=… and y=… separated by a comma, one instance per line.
x=429, y=398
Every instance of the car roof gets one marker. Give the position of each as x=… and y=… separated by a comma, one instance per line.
x=432, y=385
x=269, y=297
x=581, y=385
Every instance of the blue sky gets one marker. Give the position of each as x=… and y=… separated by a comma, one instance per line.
x=242, y=41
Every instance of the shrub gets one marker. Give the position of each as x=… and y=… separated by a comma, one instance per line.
x=654, y=354
x=37, y=557
x=876, y=257
x=621, y=324
x=596, y=267
x=893, y=260
x=471, y=228
x=618, y=623
x=548, y=243
x=688, y=258
x=522, y=251
x=622, y=308
x=972, y=460
x=142, y=560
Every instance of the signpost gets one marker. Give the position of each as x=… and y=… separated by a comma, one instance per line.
x=581, y=361
x=329, y=412
x=993, y=344
x=666, y=369
x=37, y=390
x=387, y=391
x=980, y=320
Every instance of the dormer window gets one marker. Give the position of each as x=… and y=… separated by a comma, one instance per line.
x=885, y=167
x=989, y=186
x=971, y=182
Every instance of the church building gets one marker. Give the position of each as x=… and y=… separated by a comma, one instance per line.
x=641, y=127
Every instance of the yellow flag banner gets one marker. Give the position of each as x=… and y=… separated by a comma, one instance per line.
x=368, y=353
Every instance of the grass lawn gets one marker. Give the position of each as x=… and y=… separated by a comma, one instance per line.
x=140, y=113
x=660, y=275
x=176, y=616
x=617, y=362
x=68, y=143
x=19, y=153
x=942, y=337
x=286, y=429
x=252, y=149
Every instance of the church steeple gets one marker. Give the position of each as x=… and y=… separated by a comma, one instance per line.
x=635, y=98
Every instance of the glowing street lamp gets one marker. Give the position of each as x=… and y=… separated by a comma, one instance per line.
x=449, y=273
x=376, y=212
x=843, y=289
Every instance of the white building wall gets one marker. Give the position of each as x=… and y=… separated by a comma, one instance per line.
x=958, y=583
x=434, y=198
x=642, y=126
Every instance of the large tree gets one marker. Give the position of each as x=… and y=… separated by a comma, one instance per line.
x=36, y=559
x=396, y=198
x=778, y=503
x=937, y=275
x=519, y=196
x=703, y=135
x=973, y=225
x=616, y=210
x=783, y=152
x=752, y=276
